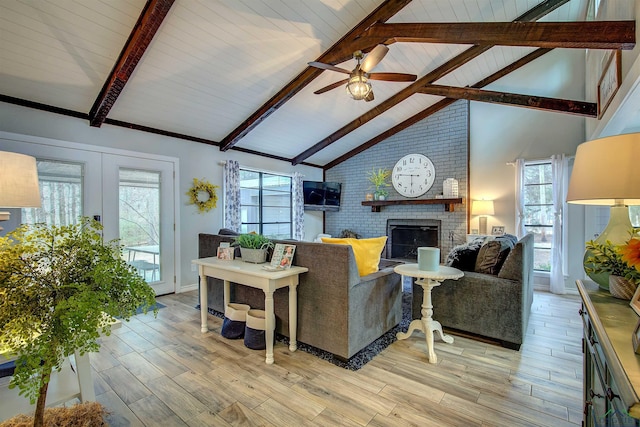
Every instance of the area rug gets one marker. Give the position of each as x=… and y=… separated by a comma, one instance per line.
x=365, y=355
x=150, y=309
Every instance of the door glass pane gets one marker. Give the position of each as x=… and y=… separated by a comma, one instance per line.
x=139, y=221
x=60, y=192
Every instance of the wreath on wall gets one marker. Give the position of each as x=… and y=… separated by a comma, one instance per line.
x=203, y=195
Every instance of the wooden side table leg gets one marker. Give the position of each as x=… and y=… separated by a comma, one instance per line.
x=203, y=300
x=269, y=324
x=293, y=317
x=427, y=316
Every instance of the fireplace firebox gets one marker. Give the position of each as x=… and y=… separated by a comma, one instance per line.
x=405, y=236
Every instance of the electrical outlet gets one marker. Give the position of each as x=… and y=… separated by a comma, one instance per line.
x=193, y=267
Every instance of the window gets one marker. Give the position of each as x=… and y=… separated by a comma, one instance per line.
x=60, y=192
x=265, y=204
x=538, y=211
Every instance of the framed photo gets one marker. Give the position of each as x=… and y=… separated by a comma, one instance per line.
x=282, y=256
x=226, y=254
x=609, y=80
x=497, y=230
x=635, y=301
x=635, y=338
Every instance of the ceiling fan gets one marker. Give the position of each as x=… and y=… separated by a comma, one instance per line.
x=358, y=85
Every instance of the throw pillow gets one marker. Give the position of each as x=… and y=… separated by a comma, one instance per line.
x=366, y=251
x=464, y=256
x=492, y=255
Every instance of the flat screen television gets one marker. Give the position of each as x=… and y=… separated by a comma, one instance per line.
x=321, y=196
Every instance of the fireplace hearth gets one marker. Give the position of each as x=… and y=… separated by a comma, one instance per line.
x=405, y=236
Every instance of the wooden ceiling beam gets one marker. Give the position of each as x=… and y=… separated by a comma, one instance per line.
x=581, y=35
x=435, y=108
x=332, y=56
x=143, y=32
x=580, y=108
x=533, y=14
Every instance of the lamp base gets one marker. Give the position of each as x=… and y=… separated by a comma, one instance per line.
x=483, y=224
x=4, y=216
x=617, y=232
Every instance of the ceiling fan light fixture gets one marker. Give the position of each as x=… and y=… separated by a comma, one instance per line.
x=358, y=86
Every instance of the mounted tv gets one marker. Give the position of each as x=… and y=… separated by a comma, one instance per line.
x=321, y=196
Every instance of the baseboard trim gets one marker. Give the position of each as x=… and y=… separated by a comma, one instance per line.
x=187, y=288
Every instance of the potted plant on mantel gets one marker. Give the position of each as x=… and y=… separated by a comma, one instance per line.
x=379, y=180
x=253, y=247
x=621, y=262
x=60, y=287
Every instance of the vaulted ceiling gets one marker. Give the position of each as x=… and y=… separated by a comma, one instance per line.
x=234, y=74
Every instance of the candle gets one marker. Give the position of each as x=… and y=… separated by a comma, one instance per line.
x=428, y=258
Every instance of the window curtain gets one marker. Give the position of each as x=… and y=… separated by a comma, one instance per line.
x=520, y=229
x=559, y=194
x=298, y=206
x=232, y=195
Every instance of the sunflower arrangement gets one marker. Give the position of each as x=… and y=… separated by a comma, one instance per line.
x=619, y=260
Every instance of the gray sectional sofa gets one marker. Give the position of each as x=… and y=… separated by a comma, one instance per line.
x=338, y=311
x=490, y=305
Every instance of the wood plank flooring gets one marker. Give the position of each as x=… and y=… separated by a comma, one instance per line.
x=163, y=372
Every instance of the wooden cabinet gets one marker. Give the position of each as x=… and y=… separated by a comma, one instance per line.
x=611, y=367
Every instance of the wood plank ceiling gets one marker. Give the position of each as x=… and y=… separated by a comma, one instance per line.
x=234, y=74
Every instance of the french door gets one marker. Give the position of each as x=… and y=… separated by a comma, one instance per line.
x=131, y=195
x=138, y=210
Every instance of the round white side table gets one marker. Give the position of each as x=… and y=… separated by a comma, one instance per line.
x=428, y=280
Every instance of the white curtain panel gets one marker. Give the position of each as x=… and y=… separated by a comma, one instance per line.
x=232, y=195
x=298, y=206
x=558, y=166
x=520, y=230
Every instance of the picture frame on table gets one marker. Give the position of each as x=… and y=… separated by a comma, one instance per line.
x=609, y=80
x=635, y=301
x=226, y=253
x=497, y=230
x=635, y=338
x=282, y=256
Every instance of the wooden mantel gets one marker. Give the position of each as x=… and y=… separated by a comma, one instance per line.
x=377, y=204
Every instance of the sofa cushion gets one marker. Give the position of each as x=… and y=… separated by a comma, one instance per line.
x=366, y=251
x=464, y=256
x=493, y=253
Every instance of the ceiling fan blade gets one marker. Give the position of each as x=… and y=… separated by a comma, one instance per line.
x=369, y=96
x=331, y=86
x=374, y=57
x=393, y=77
x=324, y=66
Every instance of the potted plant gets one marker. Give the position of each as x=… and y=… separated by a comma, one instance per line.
x=253, y=247
x=60, y=287
x=621, y=262
x=379, y=181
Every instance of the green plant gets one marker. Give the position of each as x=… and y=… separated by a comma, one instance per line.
x=608, y=258
x=252, y=241
x=379, y=179
x=58, y=286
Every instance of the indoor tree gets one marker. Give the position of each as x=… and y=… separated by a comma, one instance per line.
x=60, y=286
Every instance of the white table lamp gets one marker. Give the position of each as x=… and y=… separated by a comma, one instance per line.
x=18, y=182
x=482, y=208
x=606, y=171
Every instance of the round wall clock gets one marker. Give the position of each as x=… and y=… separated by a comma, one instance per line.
x=413, y=175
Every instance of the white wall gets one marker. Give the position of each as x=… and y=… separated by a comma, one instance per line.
x=197, y=160
x=502, y=134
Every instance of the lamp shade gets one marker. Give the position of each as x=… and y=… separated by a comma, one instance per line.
x=18, y=181
x=606, y=171
x=482, y=207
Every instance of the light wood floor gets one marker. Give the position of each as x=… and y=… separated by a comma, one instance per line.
x=163, y=372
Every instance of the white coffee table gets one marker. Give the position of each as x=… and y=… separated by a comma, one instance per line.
x=428, y=280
